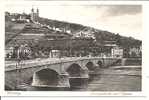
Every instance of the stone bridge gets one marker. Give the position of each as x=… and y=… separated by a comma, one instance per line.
x=58, y=72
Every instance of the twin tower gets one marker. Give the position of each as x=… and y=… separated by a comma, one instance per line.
x=34, y=15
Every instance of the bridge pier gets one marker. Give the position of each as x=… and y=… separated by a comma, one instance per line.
x=80, y=81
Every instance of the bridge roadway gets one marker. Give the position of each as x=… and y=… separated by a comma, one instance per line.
x=11, y=65
x=53, y=72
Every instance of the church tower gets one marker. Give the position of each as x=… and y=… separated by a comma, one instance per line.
x=37, y=15
x=34, y=15
x=37, y=12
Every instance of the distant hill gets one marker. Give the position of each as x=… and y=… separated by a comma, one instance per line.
x=74, y=29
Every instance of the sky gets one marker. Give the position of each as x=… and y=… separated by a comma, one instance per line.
x=123, y=19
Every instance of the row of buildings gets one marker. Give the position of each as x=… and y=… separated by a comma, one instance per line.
x=25, y=51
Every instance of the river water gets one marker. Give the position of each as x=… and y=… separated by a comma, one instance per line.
x=113, y=78
x=117, y=78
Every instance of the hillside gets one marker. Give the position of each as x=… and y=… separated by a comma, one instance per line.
x=99, y=35
x=13, y=29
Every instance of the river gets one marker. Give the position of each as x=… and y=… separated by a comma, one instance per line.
x=113, y=78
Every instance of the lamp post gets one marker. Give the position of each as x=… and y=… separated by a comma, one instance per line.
x=18, y=66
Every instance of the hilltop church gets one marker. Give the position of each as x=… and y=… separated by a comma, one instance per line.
x=23, y=18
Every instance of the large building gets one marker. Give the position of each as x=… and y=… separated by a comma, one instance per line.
x=135, y=51
x=117, y=52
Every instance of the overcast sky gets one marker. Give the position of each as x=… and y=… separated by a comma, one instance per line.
x=123, y=19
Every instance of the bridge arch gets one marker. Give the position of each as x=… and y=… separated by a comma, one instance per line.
x=74, y=70
x=78, y=76
x=100, y=64
x=45, y=78
x=90, y=65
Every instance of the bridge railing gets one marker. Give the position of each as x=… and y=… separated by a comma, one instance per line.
x=40, y=62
